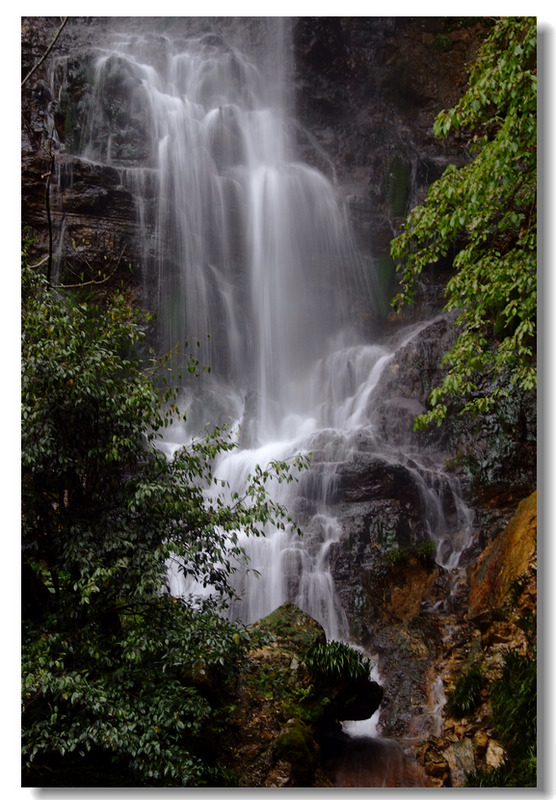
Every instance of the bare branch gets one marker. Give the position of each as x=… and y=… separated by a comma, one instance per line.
x=47, y=51
x=94, y=281
x=39, y=263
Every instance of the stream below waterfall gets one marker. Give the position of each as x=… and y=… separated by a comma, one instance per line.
x=249, y=251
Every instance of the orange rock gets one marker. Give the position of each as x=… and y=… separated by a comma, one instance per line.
x=504, y=560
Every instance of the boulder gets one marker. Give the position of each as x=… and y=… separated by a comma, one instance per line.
x=292, y=630
x=282, y=710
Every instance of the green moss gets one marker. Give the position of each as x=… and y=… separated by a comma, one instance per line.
x=423, y=552
x=292, y=627
x=442, y=43
x=386, y=270
x=296, y=744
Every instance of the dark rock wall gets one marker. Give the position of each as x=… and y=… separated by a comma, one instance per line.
x=79, y=211
x=368, y=90
x=282, y=710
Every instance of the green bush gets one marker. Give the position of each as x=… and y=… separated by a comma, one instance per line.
x=514, y=702
x=466, y=694
x=514, y=716
x=337, y=661
x=423, y=551
x=481, y=219
x=122, y=684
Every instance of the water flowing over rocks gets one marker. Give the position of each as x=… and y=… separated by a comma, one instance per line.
x=401, y=551
x=365, y=93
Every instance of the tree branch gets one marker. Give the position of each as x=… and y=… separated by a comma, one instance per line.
x=47, y=51
x=93, y=282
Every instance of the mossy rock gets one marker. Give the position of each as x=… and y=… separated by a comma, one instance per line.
x=297, y=747
x=293, y=629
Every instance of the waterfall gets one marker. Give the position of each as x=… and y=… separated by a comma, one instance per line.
x=248, y=252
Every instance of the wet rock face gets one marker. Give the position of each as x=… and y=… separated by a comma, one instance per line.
x=368, y=90
x=406, y=383
x=70, y=205
x=379, y=494
x=500, y=620
x=377, y=504
x=397, y=590
x=409, y=653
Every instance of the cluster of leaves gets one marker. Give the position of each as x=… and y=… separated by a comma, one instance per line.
x=122, y=684
x=337, y=661
x=486, y=210
x=514, y=713
x=499, y=446
x=466, y=694
x=514, y=700
x=129, y=708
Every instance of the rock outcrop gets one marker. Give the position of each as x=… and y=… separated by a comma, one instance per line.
x=282, y=708
x=505, y=561
x=366, y=92
x=77, y=210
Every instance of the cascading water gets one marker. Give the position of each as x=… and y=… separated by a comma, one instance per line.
x=250, y=252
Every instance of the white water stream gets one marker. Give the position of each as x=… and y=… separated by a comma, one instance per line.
x=245, y=244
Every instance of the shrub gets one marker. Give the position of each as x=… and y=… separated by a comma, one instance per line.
x=336, y=661
x=514, y=715
x=122, y=684
x=466, y=694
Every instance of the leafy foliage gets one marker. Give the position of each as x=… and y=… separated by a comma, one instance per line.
x=514, y=713
x=514, y=701
x=499, y=446
x=486, y=210
x=466, y=694
x=337, y=660
x=122, y=683
x=514, y=773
